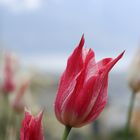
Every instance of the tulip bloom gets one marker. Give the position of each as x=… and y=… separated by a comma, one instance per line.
x=82, y=92
x=18, y=103
x=8, y=83
x=32, y=127
x=134, y=73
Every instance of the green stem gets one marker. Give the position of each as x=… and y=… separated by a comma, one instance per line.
x=130, y=111
x=5, y=114
x=66, y=132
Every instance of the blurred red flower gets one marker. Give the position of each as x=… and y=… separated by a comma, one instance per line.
x=8, y=84
x=82, y=92
x=32, y=127
x=18, y=103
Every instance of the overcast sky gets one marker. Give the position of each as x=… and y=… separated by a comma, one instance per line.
x=41, y=27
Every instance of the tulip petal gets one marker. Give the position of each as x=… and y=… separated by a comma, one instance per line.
x=99, y=103
x=113, y=62
x=63, y=95
x=93, y=69
x=75, y=61
x=25, y=123
x=83, y=101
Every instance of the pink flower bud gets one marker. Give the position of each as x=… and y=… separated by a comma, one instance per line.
x=82, y=92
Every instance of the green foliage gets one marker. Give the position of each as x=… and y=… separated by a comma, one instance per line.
x=10, y=121
x=120, y=135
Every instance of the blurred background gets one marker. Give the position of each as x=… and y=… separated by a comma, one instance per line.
x=42, y=34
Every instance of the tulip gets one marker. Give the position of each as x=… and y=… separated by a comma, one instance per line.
x=8, y=83
x=18, y=103
x=134, y=84
x=134, y=73
x=82, y=92
x=32, y=127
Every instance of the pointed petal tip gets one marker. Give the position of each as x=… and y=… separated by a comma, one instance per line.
x=40, y=115
x=83, y=38
x=120, y=55
x=82, y=41
x=83, y=35
x=27, y=113
x=26, y=110
x=114, y=61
